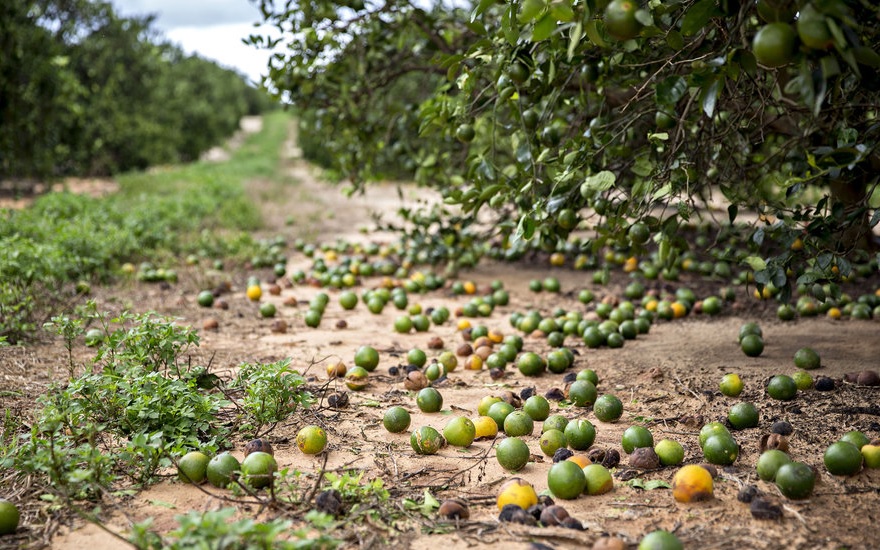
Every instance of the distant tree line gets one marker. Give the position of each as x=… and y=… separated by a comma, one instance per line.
x=84, y=91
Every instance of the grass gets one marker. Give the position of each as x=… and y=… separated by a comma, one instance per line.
x=200, y=208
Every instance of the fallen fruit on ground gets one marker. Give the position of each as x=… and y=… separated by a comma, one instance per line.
x=566, y=480
x=311, y=440
x=254, y=293
x=871, y=455
x=396, y=419
x=367, y=357
x=580, y=434
x=205, y=298
x=426, y=441
x=9, y=517
x=499, y=411
x=710, y=429
x=692, y=483
x=517, y=491
x=721, y=449
x=221, y=470
x=842, y=458
x=856, y=437
x=731, y=385
x=518, y=424
x=459, y=432
x=669, y=451
x=782, y=387
x=429, y=400
x=258, y=470
x=357, y=378
x=512, y=454
x=795, y=480
x=608, y=408
x=752, y=345
x=660, y=540
x=485, y=427
x=551, y=440
x=769, y=463
x=635, y=437
x=537, y=407
x=743, y=415
x=582, y=393
x=807, y=359
x=598, y=479
x=192, y=467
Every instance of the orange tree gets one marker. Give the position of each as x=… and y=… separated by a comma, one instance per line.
x=630, y=114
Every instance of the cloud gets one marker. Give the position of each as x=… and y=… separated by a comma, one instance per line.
x=172, y=14
x=212, y=29
x=222, y=43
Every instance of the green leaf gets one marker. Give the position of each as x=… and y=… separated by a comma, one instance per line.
x=530, y=10
x=710, y=96
x=698, y=16
x=575, y=39
x=732, y=212
x=601, y=181
x=561, y=11
x=594, y=35
x=543, y=28
x=511, y=32
x=675, y=40
x=670, y=90
x=650, y=485
x=481, y=7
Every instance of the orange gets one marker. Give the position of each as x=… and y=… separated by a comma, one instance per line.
x=258, y=469
x=311, y=440
x=517, y=491
x=254, y=293
x=566, y=480
x=813, y=30
x=774, y=44
x=620, y=19
x=678, y=310
x=485, y=427
x=9, y=517
x=692, y=483
x=193, y=467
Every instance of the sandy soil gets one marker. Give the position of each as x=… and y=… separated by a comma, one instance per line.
x=667, y=378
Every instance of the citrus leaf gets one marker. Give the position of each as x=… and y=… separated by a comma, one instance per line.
x=601, y=181
x=670, y=90
x=698, y=16
x=710, y=96
x=561, y=11
x=674, y=40
x=574, y=41
x=594, y=35
x=481, y=7
x=530, y=10
x=543, y=28
x=511, y=33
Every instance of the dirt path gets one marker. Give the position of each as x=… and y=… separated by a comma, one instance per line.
x=662, y=378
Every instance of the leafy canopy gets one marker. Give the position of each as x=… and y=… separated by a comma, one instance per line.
x=630, y=109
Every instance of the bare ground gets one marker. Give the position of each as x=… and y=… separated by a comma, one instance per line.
x=667, y=378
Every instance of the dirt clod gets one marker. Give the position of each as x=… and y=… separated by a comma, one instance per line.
x=765, y=508
x=329, y=501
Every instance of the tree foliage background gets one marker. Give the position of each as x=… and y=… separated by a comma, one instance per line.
x=84, y=91
x=545, y=111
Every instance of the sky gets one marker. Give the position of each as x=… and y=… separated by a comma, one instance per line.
x=211, y=28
